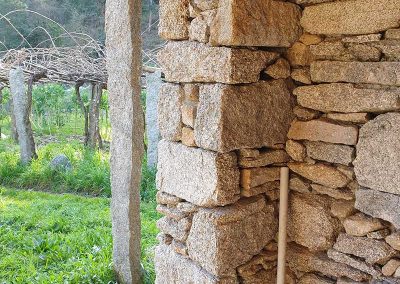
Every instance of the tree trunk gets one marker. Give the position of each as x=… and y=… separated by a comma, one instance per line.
x=84, y=110
x=127, y=127
x=94, y=117
x=150, y=14
x=22, y=109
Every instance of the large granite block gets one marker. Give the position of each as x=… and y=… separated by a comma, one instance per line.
x=250, y=116
x=175, y=268
x=379, y=205
x=347, y=98
x=174, y=19
x=377, y=165
x=221, y=239
x=256, y=23
x=199, y=176
x=187, y=62
x=380, y=73
x=351, y=17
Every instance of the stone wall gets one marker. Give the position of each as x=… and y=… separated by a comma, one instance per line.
x=255, y=85
x=343, y=144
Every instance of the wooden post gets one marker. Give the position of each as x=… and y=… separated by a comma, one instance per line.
x=283, y=213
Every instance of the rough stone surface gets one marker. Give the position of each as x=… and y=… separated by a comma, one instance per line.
x=351, y=17
x=296, y=150
x=172, y=267
x=279, y=70
x=178, y=229
x=22, y=105
x=337, y=193
x=305, y=114
x=201, y=177
x=360, y=117
x=309, y=39
x=373, y=251
x=325, y=131
x=123, y=44
x=354, y=262
x=300, y=259
x=153, y=87
x=389, y=48
x=379, y=235
x=265, y=158
x=174, y=19
x=392, y=34
x=256, y=23
x=61, y=163
x=167, y=199
x=342, y=208
x=345, y=98
x=221, y=239
x=394, y=240
x=254, y=177
x=333, y=153
x=310, y=278
x=381, y=73
x=171, y=212
x=268, y=188
x=377, y=164
x=362, y=38
x=199, y=30
x=299, y=54
x=301, y=75
x=189, y=111
x=188, y=137
x=197, y=62
x=310, y=223
x=169, y=111
x=379, y=205
x=337, y=50
x=360, y=225
x=321, y=174
x=390, y=267
x=249, y=116
x=299, y=185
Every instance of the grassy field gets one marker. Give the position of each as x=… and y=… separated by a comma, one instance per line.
x=53, y=238
x=55, y=226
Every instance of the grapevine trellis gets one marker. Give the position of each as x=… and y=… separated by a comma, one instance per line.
x=78, y=60
x=82, y=61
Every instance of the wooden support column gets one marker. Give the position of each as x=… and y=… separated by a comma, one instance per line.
x=124, y=71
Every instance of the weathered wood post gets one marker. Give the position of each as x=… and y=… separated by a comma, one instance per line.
x=22, y=104
x=124, y=72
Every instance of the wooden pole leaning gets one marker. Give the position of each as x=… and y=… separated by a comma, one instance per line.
x=283, y=214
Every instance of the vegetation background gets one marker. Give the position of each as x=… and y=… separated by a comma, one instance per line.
x=55, y=226
x=79, y=16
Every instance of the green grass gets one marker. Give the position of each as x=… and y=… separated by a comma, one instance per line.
x=90, y=173
x=51, y=238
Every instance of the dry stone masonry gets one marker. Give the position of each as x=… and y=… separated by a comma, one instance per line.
x=253, y=85
x=343, y=143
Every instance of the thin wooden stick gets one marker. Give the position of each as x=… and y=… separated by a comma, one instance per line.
x=283, y=214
